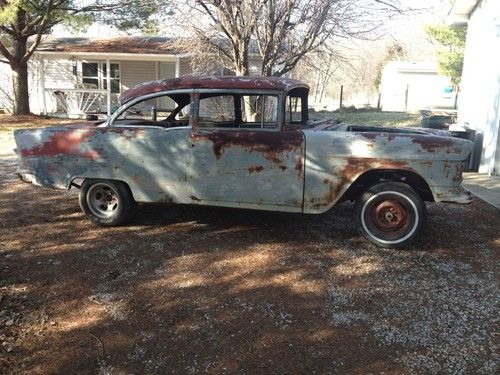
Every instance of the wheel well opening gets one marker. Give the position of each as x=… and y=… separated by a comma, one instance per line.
x=376, y=176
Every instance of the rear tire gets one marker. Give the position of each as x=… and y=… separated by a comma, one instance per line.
x=389, y=214
x=107, y=203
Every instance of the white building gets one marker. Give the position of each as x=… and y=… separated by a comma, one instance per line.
x=89, y=74
x=407, y=86
x=479, y=100
x=76, y=76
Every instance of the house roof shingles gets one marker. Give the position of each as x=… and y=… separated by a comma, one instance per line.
x=156, y=45
x=126, y=44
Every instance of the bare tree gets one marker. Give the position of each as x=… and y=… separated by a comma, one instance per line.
x=204, y=57
x=289, y=30
x=281, y=32
x=318, y=69
x=230, y=29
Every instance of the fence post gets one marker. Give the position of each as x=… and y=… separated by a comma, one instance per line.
x=341, y=95
x=406, y=97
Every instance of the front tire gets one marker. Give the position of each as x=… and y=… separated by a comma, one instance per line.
x=389, y=214
x=107, y=203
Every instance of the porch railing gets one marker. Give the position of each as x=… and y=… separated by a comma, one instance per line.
x=78, y=103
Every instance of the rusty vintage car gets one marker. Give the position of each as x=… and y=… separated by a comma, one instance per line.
x=245, y=142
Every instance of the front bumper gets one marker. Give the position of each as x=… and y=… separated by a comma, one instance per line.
x=452, y=194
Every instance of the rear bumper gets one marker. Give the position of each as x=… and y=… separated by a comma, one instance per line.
x=31, y=178
x=452, y=194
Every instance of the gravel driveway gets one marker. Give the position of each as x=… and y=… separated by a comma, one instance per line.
x=194, y=290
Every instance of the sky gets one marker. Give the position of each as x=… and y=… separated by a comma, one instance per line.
x=430, y=12
x=406, y=26
x=407, y=29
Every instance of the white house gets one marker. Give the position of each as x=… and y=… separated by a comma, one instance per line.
x=409, y=86
x=90, y=73
x=479, y=100
x=76, y=76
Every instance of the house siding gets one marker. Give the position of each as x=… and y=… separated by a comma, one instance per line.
x=35, y=92
x=479, y=101
x=135, y=72
x=59, y=73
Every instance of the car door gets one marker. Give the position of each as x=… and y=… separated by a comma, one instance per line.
x=242, y=162
x=146, y=153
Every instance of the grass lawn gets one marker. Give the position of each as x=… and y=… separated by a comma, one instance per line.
x=374, y=118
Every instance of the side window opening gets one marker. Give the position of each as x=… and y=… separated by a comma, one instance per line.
x=216, y=111
x=296, y=107
x=259, y=111
x=164, y=110
x=238, y=111
x=294, y=110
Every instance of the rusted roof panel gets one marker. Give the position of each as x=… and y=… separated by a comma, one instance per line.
x=213, y=82
x=144, y=45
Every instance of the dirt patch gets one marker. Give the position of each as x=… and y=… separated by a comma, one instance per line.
x=9, y=122
x=193, y=289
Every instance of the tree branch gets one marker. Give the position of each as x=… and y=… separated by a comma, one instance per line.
x=5, y=52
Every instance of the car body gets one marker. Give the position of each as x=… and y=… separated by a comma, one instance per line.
x=243, y=142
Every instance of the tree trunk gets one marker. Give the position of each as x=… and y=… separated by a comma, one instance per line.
x=20, y=86
x=267, y=68
x=20, y=73
x=242, y=70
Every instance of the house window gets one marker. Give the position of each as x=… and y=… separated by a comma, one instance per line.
x=115, y=77
x=94, y=74
x=90, y=74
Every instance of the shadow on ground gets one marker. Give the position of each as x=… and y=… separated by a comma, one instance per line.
x=193, y=289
